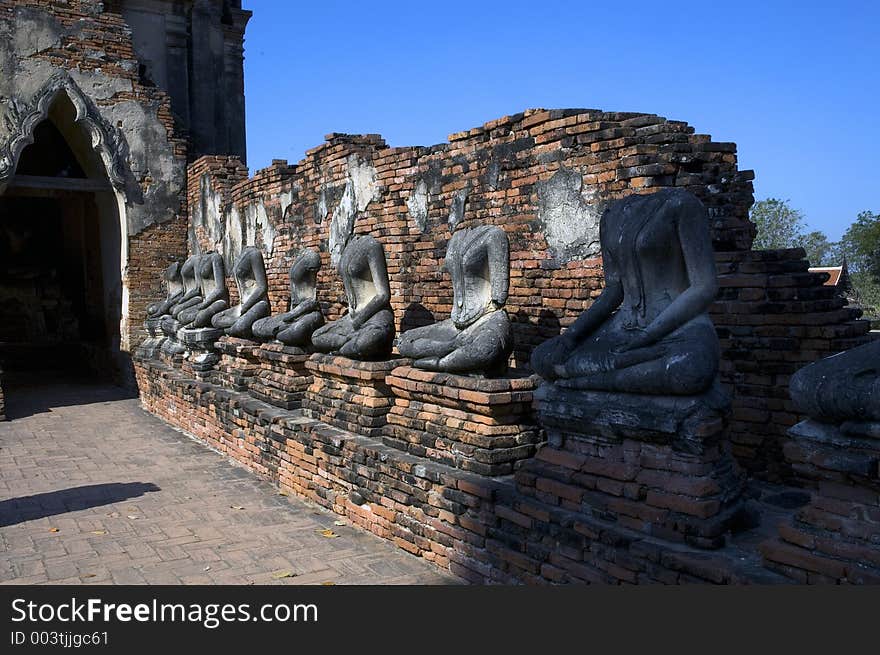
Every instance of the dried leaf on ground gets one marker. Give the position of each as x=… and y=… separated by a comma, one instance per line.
x=327, y=533
x=278, y=575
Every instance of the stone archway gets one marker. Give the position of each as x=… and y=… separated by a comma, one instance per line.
x=64, y=188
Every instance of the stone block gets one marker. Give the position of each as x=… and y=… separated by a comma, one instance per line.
x=482, y=425
x=282, y=377
x=349, y=394
x=656, y=464
x=238, y=363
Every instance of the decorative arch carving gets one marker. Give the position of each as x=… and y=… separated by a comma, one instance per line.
x=107, y=141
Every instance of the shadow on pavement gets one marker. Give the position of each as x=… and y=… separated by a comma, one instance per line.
x=36, y=392
x=52, y=503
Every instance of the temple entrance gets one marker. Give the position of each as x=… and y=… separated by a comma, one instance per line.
x=60, y=251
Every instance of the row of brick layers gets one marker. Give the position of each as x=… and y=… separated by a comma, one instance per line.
x=477, y=424
x=658, y=465
x=349, y=394
x=773, y=317
x=238, y=364
x=2, y=399
x=282, y=379
x=836, y=537
x=485, y=530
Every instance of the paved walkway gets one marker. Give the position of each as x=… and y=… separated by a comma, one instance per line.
x=95, y=490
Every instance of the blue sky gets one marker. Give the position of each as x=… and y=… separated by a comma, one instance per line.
x=795, y=84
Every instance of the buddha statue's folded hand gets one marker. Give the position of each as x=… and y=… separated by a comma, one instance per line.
x=639, y=338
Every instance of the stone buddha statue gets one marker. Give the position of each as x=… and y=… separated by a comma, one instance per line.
x=843, y=387
x=295, y=327
x=476, y=338
x=366, y=331
x=175, y=291
x=253, y=288
x=648, y=332
x=191, y=297
x=213, y=293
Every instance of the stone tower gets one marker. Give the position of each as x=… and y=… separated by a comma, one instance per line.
x=193, y=50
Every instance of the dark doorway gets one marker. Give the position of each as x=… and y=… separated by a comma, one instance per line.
x=60, y=250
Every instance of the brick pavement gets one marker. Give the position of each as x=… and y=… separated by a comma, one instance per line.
x=95, y=490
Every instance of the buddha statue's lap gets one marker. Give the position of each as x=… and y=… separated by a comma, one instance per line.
x=367, y=330
x=250, y=278
x=295, y=327
x=476, y=338
x=648, y=331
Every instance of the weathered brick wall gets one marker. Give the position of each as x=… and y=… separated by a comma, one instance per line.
x=523, y=172
x=774, y=317
x=484, y=530
x=94, y=47
x=2, y=399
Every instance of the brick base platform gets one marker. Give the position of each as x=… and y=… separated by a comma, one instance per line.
x=475, y=424
x=484, y=530
x=654, y=464
x=201, y=355
x=834, y=538
x=238, y=363
x=350, y=394
x=152, y=346
x=282, y=379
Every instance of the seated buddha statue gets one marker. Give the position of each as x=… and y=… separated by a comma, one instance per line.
x=843, y=387
x=213, y=293
x=253, y=288
x=366, y=331
x=648, y=331
x=476, y=338
x=174, y=292
x=191, y=297
x=295, y=327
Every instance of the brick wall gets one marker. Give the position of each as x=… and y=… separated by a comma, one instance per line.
x=767, y=310
x=484, y=530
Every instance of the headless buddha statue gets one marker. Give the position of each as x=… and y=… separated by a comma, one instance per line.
x=250, y=278
x=175, y=291
x=295, y=327
x=191, y=297
x=648, y=331
x=367, y=330
x=476, y=338
x=843, y=387
x=214, y=296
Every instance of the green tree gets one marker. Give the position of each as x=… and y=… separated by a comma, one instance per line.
x=860, y=245
x=779, y=226
x=818, y=248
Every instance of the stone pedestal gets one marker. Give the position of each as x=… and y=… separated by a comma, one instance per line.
x=475, y=424
x=833, y=539
x=282, y=378
x=238, y=363
x=201, y=353
x=152, y=345
x=658, y=465
x=349, y=394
